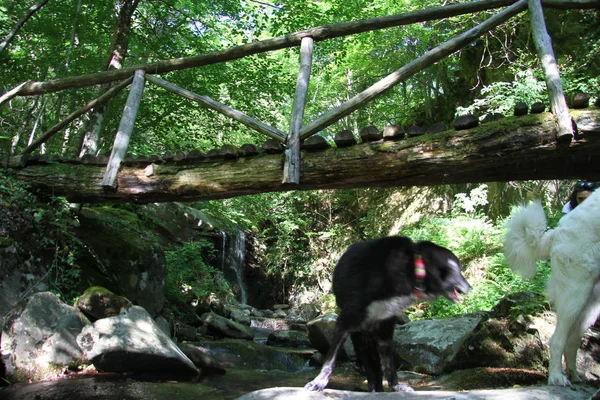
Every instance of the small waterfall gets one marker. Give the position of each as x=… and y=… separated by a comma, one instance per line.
x=223, y=250
x=233, y=260
x=238, y=263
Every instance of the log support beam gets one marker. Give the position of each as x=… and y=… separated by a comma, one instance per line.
x=109, y=182
x=291, y=166
x=514, y=148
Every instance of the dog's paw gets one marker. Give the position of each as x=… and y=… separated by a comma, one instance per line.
x=558, y=380
x=402, y=388
x=316, y=385
x=574, y=377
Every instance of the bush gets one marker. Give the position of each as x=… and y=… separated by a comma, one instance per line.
x=190, y=278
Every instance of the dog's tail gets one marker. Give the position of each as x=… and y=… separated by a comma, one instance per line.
x=526, y=240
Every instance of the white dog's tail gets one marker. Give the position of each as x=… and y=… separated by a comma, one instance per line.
x=525, y=241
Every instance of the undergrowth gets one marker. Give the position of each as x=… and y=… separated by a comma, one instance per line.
x=49, y=225
x=190, y=278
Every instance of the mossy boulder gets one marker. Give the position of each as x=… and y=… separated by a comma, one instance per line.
x=124, y=256
x=98, y=302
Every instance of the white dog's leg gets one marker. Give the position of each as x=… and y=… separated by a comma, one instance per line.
x=587, y=317
x=557, y=347
x=573, y=344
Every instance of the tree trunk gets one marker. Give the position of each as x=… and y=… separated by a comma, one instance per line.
x=118, y=52
x=30, y=12
x=516, y=148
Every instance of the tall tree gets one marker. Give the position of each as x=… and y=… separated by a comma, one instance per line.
x=118, y=52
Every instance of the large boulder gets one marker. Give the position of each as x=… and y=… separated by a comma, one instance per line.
x=39, y=335
x=221, y=327
x=133, y=342
x=508, y=337
x=125, y=256
x=428, y=346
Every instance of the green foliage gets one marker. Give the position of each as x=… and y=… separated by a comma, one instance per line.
x=501, y=97
x=189, y=276
x=51, y=219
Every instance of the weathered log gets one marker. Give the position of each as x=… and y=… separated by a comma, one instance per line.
x=291, y=165
x=123, y=136
x=291, y=40
x=543, y=45
x=508, y=149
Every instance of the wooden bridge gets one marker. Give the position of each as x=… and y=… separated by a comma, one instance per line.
x=536, y=146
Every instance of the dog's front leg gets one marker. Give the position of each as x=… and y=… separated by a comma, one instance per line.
x=386, y=351
x=319, y=383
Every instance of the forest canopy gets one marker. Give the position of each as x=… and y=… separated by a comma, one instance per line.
x=58, y=39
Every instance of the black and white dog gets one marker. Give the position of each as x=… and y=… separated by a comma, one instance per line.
x=374, y=281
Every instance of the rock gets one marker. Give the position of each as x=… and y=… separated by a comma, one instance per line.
x=185, y=332
x=279, y=314
x=429, y=346
x=201, y=359
x=415, y=130
x=39, y=334
x=436, y=128
x=466, y=121
x=98, y=302
x=581, y=100
x=303, y=314
x=520, y=109
x=272, y=146
x=249, y=150
x=538, y=107
x=296, y=339
x=223, y=327
x=320, y=331
x=580, y=392
x=344, y=138
x=315, y=143
x=239, y=315
x=164, y=325
x=393, y=132
x=370, y=134
x=132, y=342
x=490, y=117
x=243, y=354
x=128, y=254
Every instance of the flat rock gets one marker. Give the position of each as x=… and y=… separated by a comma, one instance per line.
x=579, y=392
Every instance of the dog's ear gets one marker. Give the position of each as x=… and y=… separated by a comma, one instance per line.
x=437, y=257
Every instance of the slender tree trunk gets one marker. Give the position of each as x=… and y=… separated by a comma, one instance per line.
x=118, y=52
x=24, y=124
x=13, y=33
x=68, y=58
x=37, y=123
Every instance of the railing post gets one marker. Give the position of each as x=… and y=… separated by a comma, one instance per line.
x=291, y=166
x=543, y=45
x=121, y=143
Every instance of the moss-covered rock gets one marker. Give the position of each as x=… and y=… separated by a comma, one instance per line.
x=98, y=302
x=124, y=256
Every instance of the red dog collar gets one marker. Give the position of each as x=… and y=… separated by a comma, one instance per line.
x=420, y=274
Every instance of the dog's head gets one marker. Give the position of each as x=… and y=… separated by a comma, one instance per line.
x=443, y=272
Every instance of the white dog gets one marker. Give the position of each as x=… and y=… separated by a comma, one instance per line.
x=573, y=287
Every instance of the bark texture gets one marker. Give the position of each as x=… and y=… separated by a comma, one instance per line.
x=516, y=148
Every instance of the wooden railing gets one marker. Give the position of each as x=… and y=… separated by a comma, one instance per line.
x=305, y=39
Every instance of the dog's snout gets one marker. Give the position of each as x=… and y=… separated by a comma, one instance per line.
x=464, y=287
